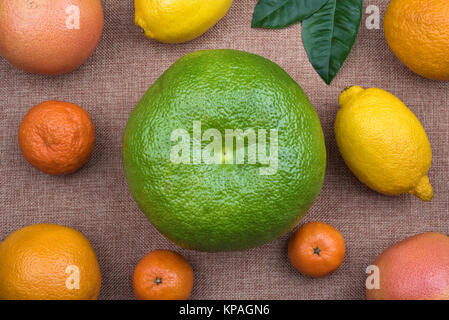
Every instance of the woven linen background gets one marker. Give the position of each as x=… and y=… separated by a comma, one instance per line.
x=96, y=200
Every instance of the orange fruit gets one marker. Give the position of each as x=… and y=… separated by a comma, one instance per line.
x=417, y=32
x=316, y=249
x=57, y=137
x=416, y=268
x=49, y=36
x=163, y=275
x=48, y=262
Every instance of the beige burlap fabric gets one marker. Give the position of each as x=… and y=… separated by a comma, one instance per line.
x=97, y=202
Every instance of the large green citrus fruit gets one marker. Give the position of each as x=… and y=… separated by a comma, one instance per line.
x=206, y=198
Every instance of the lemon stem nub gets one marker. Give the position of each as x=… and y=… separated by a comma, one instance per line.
x=348, y=93
x=423, y=189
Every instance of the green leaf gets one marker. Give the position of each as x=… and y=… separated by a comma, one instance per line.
x=275, y=14
x=329, y=34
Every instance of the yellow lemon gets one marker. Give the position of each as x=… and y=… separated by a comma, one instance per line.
x=177, y=21
x=383, y=143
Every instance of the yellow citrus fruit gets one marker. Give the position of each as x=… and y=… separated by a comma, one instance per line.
x=417, y=32
x=383, y=143
x=48, y=262
x=177, y=21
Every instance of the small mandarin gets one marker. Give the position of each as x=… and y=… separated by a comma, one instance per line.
x=163, y=275
x=57, y=137
x=316, y=249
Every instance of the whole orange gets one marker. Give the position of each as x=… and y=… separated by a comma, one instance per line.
x=57, y=137
x=163, y=275
x=48, y=262
x=417, y=32
x=316, y=249
x=49, y=36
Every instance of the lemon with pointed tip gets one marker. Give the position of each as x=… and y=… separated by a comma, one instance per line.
x=177, y=21
x=383, y=143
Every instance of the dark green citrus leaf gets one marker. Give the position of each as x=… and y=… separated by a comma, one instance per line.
x=275, y=14
x=329, y=34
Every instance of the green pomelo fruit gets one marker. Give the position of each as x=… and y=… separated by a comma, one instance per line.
x=225, y=205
